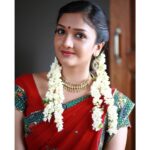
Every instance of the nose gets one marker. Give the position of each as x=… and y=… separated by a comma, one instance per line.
x=68, y=41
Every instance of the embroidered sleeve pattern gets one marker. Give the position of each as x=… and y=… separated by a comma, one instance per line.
x=20, y=98
x=125, y=106
x=31, y=120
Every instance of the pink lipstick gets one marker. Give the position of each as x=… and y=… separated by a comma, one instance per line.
x=67, y=53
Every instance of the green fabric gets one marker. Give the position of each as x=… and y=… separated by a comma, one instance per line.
x=20, y=98
x=33, y=119
x=76, y=101
x=124, y=108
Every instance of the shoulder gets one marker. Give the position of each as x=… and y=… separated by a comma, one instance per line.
x=124, y=107
x=121, y=100
x=20, y=91
x=21, y=85
x=42, y=76
x=22, y=78
x=26, y=78
x=40, y=80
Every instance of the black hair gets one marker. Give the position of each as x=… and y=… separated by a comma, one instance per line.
x=93, y=15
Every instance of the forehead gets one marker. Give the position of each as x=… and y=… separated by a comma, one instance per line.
x=75, y=20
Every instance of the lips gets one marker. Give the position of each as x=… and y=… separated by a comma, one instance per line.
x=67, y=52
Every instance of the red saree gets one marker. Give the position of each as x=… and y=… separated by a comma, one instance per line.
x=77, y=133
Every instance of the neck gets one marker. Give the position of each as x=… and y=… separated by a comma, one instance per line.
x=75, y=75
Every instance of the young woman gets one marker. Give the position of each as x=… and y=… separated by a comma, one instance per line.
x=72, y=106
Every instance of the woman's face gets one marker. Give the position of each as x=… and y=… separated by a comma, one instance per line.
x=74, y=41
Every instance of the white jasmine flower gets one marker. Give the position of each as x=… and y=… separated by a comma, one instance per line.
x=55, y=96
x=101, y=85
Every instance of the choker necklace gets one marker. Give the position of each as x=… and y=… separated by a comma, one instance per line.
x=70, y=87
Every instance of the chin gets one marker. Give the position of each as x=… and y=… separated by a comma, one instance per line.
x=67, y=62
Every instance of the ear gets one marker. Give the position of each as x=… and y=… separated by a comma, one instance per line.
x=98, y=48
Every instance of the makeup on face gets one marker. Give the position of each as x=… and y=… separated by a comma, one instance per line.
x=74, y=40
x=78, y=33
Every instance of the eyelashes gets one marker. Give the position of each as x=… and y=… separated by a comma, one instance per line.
x=60, y=31
x=78, y=35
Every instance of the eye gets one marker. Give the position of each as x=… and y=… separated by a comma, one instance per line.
x=80, y=35
x=60, y=31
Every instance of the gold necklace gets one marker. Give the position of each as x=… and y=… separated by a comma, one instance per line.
x=71, y=87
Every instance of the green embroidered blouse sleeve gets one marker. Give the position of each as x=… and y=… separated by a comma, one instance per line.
x=124, y=108
x=20, y=98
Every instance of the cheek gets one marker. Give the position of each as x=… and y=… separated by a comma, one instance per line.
x=87, y=47
x=57, y=42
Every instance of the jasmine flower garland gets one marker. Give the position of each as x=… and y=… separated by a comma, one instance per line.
x=54, y=96
x=100, y=87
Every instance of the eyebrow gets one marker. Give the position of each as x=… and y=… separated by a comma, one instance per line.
x=77, y=29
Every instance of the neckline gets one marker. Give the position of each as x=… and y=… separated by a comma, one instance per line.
x=65, y=105
x=75, y=101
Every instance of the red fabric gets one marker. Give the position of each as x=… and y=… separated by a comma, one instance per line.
x=34, y=101
x=77, y=133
